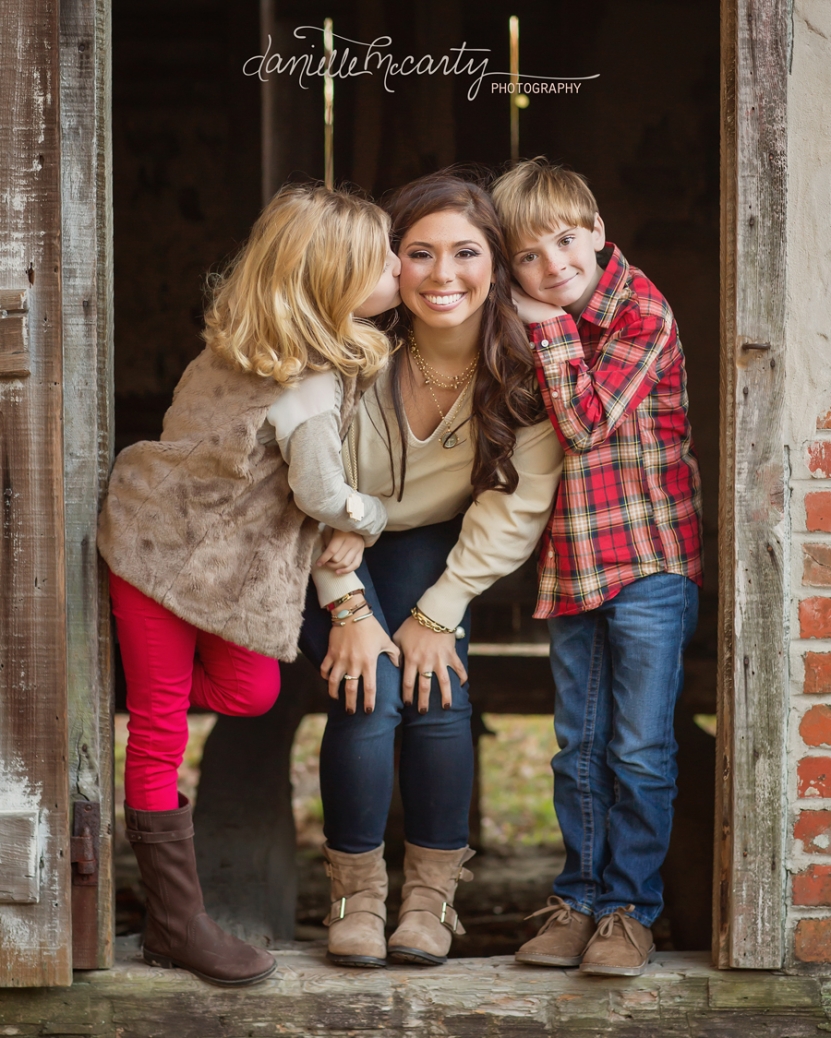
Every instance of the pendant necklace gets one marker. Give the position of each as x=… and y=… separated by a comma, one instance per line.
x=450, y=438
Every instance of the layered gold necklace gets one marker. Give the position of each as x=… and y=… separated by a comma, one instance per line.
x=458, y=383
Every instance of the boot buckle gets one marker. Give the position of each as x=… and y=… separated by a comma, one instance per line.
x=443, y=917
x=342, y=908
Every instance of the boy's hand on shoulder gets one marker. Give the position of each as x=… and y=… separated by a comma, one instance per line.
x=533, y=311
x=343, y=553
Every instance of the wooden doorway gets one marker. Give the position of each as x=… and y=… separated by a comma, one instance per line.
x=58, y=635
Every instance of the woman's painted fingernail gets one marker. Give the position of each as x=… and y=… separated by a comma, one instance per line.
x=368, y=709
x=445, y=706
x=350, y=710
x=422, y=709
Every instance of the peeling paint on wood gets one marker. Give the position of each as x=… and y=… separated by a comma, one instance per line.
x=19, y=871
x=34, y=938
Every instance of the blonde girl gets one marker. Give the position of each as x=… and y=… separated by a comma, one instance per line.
x=211, y=532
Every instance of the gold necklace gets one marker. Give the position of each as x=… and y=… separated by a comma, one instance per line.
x=431, y=375
x=451, y=438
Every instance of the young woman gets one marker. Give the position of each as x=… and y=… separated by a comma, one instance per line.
x=208, y=533
x=454, y=439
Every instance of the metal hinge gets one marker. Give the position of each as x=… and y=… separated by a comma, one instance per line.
x=85, y=844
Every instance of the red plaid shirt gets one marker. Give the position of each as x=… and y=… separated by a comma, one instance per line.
x=629, y=499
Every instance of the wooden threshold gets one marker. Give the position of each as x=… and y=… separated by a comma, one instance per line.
x=680, y=996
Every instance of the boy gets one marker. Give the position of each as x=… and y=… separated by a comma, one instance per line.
x=620, y=563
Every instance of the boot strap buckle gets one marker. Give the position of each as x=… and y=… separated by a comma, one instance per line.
x=445, y=917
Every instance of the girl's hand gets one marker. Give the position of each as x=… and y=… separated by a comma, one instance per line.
x=343, y=553
x=533, y=311
x=427, y=652
x=354, y=650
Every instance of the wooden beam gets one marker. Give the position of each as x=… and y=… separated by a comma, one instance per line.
x=87, y=355
x=679, y=996
x=34, y=938
x=750, y=874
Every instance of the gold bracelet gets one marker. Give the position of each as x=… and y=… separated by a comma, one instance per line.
x=343, y=598
x=431, y=625
x=340, y=618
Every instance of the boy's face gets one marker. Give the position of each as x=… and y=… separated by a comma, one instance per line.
x=560, y=266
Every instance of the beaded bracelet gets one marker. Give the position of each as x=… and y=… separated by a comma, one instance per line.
x=432, y=625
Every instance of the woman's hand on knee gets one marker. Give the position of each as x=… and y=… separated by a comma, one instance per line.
x=353, y=654
x=427, y=653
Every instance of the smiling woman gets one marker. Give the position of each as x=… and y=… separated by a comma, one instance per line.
x=455, y=418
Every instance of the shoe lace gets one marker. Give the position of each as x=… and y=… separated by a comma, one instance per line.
x=560, y=913
x=606, y=926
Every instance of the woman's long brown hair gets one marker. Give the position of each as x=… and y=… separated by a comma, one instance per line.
x=505, y=391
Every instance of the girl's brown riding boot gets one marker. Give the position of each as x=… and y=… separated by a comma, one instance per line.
x=427, y=919
x=358, y=912
x=179, y=932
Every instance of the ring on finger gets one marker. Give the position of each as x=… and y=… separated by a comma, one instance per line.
x=426, y=673
x=351, y=677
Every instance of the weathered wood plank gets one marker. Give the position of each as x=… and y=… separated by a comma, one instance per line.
x=750, y=873
x=679, y=996
x=19, y=867
x=14, y=353
x=87, y=336
x=34, y=947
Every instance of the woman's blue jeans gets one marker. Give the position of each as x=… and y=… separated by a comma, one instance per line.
x=618, y=672
x=357, y=754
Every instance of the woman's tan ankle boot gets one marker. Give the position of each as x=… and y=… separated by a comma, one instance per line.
x=358, y=912
x=427, y=919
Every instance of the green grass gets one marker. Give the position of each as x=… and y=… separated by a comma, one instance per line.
x=515, y=777
x=516, y=782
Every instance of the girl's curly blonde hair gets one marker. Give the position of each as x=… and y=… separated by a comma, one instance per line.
x=286, y=302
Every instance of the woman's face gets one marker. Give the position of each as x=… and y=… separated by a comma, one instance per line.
x=446, y=269
x=385, y=295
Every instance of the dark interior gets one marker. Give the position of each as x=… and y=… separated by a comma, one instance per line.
x=188, y=182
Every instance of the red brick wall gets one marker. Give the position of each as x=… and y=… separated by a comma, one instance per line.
x=811, y=879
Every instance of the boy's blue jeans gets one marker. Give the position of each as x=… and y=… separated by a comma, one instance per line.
x=618, y=671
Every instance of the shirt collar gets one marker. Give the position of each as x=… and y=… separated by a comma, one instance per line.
x=601, y=308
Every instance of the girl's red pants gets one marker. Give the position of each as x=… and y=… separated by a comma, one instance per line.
x=170, y=665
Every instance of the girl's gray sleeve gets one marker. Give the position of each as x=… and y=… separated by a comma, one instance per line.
x=306, y=422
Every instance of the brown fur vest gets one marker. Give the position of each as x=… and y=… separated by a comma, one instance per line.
x=204, y=521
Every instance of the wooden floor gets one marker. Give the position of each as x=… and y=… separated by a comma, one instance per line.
x=680, y=995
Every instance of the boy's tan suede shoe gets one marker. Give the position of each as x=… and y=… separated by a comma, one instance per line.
x=427, y=919
x=561, y=939
x=358, y=911
x=620, y=947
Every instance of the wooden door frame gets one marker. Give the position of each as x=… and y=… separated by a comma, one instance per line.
x=749, y=902
x=87, y=303
x=34, y=914
x=751, y=809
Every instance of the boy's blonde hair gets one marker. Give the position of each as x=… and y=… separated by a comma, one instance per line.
x=536, y=195
x=286, y=303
